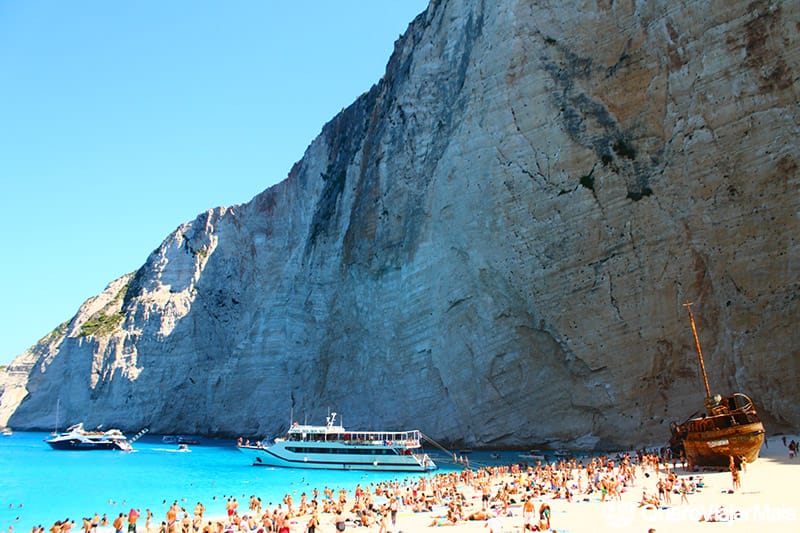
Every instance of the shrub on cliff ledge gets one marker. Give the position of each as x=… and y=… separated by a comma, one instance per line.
x=100, y=324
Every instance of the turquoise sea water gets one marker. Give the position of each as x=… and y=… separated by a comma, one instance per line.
x=39, y=485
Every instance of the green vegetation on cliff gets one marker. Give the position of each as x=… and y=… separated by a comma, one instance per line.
x=100, y=323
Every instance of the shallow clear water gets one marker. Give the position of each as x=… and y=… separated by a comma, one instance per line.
x=39, y=485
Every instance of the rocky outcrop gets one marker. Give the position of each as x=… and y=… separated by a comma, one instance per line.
x=492, y=244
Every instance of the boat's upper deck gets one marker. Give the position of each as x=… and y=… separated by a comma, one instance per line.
x=332, y=432
x=409, y=439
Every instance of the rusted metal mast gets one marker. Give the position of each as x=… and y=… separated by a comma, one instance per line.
x=699, y=351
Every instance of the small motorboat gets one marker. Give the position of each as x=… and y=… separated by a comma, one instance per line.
x=179, y=439
x=534, y=455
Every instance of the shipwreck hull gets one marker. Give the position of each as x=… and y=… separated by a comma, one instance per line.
x=716, y=446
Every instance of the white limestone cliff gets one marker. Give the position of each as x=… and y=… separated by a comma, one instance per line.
x=493, y=244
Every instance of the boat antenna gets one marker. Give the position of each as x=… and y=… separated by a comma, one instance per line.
x=58, y=408
x=688, y=306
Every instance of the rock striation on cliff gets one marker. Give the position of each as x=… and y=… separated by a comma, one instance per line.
x=492, y=244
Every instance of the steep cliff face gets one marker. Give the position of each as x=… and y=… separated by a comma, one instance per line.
x=492, y=244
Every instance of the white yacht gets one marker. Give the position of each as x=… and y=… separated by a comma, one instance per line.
x=334, y=448
x=77, y=438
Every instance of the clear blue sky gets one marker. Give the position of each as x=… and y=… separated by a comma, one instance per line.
x=120, y=120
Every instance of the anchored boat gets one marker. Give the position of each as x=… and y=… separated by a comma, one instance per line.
x=730, y=427
x=179, y=439
x=77, y=438
x=334, y=448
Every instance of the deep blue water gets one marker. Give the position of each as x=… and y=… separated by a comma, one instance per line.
x=39, y=485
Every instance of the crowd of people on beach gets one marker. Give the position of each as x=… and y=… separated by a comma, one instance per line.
x=521, y=490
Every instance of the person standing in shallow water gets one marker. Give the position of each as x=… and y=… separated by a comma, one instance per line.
x=133, y=515
x=117, y=525
x=172, y=517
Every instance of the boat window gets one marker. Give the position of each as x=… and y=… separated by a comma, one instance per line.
x=343, y=451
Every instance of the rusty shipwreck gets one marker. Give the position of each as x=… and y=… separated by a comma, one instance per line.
x=730, y=429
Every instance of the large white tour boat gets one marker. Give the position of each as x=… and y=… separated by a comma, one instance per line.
x=334, y=448
x=77, y=438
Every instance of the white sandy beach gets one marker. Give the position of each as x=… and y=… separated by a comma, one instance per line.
x=766, y=501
